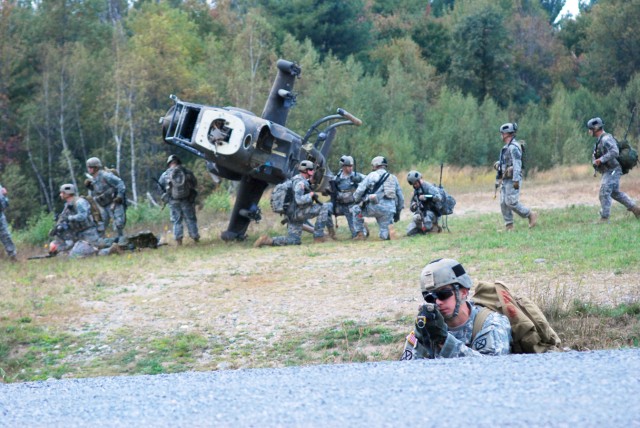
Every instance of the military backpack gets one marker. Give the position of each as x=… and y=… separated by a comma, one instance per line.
x=180, y=185
x=446, y=204
x=531, y=332
x=627, y=155
x=282, y=197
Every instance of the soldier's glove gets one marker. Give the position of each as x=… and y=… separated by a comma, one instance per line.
x=430, y=323
x=396, y=216
x=496, y=165
x=516, y=185
x=597, y=162
x=316, y=199
x=497, y=184
x=413, y=207
x=117, y=200
x=88, y=183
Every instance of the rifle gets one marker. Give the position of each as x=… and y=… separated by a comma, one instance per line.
x=42, y=256
x=164, y=197
x=633, y=114
x=333, y=195
x=365, y=199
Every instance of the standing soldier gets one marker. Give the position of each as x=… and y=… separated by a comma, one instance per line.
x=305, y=206
x=423, y=205
x=509, y=169
x=605, y=161
x=379, y=195
x=109, y=192
x=179, y=185
x=5, y=234
x=342, y=190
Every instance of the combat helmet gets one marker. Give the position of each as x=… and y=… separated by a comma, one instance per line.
x=68, y=189
x=173, y=158
x=94, y=163
x=413, y=177
x=509, y=128
x=595, y=123
x=306, y=165
x=379, y=161
x=346, y=161
x=441, y=272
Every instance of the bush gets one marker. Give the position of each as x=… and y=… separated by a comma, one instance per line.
x=218, y=201
x=37, y=231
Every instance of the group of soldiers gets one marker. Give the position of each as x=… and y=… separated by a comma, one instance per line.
x=80, y=227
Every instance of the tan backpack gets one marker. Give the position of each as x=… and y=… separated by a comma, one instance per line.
x=531, y=332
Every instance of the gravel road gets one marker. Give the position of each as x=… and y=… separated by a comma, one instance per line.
x=586, y=389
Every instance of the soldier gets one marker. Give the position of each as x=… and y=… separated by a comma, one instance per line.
x=423, y=205
x=5, y=234
x=444, y=326
x=379, y=195
x=303, y=208
x=180, y=184
x=109, y=192
x=605, y=161
x=75, y=231
x=342, y=189
x=509, y=172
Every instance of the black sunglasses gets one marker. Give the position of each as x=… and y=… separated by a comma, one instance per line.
x=441, y=295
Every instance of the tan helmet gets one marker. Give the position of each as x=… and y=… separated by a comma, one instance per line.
x=68, y=189
x=379, y=161
x=441, y=272
x=595, y=123
x=173, y=158
x=306, y=165
x=346, y=161
x=94, y=163
x=509, y=128
x=413, y=177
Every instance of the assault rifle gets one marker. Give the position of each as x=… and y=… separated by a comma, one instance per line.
x=365, y=197
x=164, y=195
x=42, y=256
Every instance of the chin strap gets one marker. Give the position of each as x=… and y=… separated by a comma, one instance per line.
x=456, y=289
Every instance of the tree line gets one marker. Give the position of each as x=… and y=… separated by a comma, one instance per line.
x=432, y=80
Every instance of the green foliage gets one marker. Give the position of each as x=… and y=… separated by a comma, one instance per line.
x=145, y=214
x=218, y=201
x=37, y=231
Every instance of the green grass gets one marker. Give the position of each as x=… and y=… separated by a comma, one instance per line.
x=568, y=244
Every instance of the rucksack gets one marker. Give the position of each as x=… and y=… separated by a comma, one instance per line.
x=281, y=197
x=627, y=157
x=180, y=185
x=531, y=332
x=95, y=210
x=446, y=204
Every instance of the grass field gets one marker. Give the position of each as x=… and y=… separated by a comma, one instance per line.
x=217, y=306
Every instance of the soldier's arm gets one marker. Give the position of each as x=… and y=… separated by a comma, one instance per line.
x=399, y=195
x=516, y=158
x=362, y=187
x=611, y=149
x=301, y=197
x=117, y=183
x=82, y=213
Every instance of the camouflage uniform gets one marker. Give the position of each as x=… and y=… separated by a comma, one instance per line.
x=79, y=237
x=304, y=209
x=611, y=172
x=493, y=339
x=346, y=185
x=384, y=207
x=510, y=164
x=424, y=214
x=105, y=187
x=5, y=234
x=182, y=209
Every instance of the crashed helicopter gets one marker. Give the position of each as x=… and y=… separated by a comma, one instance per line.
x=256, y=151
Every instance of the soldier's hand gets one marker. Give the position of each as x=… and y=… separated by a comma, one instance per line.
x=315, y=197
x=497, y=184
x=396, y=217
x=516, y=185
x=117, y=200
x=431, y=322
x=597, y=162
x=88, y=183
x=413, y=207
x=496, y=165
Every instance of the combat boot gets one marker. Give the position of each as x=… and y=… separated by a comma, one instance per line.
x=509, y=227
x=263, y=241
x=392, y=232
x=319, y=239
x=436, y=229
x=332, y=233
x=533, y=219
x=359, y=237
x=179, y=241
x=115, y=249
x=636, y=211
